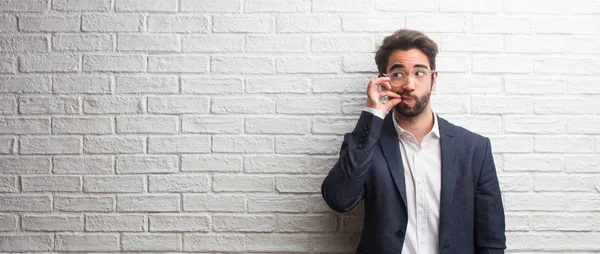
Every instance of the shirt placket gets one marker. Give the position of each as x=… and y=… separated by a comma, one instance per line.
x=420, y=198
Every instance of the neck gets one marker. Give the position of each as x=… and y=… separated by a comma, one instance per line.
x=419, y=125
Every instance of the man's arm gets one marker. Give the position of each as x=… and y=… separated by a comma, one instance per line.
x=489, y=212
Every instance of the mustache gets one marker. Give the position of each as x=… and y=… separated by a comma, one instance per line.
x=407, y=94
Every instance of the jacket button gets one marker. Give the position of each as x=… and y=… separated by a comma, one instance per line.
x=362, y=140
x=361, y=146
x=399, y=234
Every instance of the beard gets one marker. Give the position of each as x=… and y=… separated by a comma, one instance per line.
x=420, y=105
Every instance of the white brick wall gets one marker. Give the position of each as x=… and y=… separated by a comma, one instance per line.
x=208, y=126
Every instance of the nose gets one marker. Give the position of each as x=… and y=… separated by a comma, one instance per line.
x=410, y=84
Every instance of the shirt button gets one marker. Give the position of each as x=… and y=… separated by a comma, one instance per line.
x=399, y=234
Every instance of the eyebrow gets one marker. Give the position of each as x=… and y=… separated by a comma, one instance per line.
x=403, y=66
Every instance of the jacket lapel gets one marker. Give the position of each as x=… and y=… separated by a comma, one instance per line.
x=449, y=161
x=391, y=151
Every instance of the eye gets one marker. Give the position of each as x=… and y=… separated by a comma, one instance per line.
x=398, y=75
x=420, y=73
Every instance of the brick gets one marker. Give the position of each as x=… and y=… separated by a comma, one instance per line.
x=502, y=24
x=142, y=164
x=305, y=65
x=563, y=222
x=502, y=64
x=84, y=203
x=533, y=163
x=299, y=184
x=179, y=144
x=582, y=164
x=308, y=24
x=24, y=165
x=114, y=184
x=6, y=145
x=146, y=5
x=332, y=125
x=382, y=23
x=86, y=242
x=114, y=63
x=212, y=43
x=438, y=23
x=212, y=124
x=359, y=64
x=453, y=63
x=354, y=43
x=177, y=24
x=52, y=222
x=214, y=203
x=50, y=145
x=211, y=163
x=9, y=222
x=8, y=184
x=535, y=202
x=545, y=44
x=333, y=242
x=242, y=144
x=148, y=203
x=270, y=43
x=565, y=105
x=242, y=183
x=345, y=85
x=147, y=84
x=49, y=23
x=178, y=104
x=477, y=43
x=479, y=124
x=516, y=85
x=541, y=125
x=277, y=125
x=82, y=42
x=241, y=65
x=566, y=25
x=583, y=203
x=512, y=144
x=210, y=6
x=306, y=104
x=147, y=124
x=277, y=243
x=353, y=105
x=148, y=42
x=470, y=6
x=243, y=223
x=243, y=105
x=317, y=204
x=112, y=23
x=342, y=6
x=211, y=243
x=556, y=65
x=547, y=183
x=178, y=183
x=273, y=164
x=25, y=203
x=115, y=222
x=151, y=242
x=518, y=223
x=277, y=6
x=206, y=85
x=23, y=43
x=178, y=63
x=540, y=7
x=583, y=45
x=88, y=165
x=475, y=84
x=26, y=242
x=515, y=183
x=242, y=24
x=282, y=204
x=24, y=6
x=450, y=104
x=75, y=5
x=48, y=105
x=113, y=144
x=351, y=224
x=25, y=84
x=66, y=84
x=501, y=105
x=52, y=183
x=82, y=125
x=179, y=223
x=309, y=145
x=8, y=64
x=583, y=125
x=8, y=23
x=306, y=223
x=264, y=85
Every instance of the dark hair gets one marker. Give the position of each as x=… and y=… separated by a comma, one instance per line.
x=405, y=39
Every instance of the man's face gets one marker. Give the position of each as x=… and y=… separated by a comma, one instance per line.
x=415, y=92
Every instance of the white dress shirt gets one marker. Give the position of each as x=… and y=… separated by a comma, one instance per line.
x=423, y=179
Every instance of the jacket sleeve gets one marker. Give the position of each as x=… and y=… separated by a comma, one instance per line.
x=489, y=212
x=343, y=188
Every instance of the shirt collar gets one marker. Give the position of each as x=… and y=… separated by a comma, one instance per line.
x=435, y=130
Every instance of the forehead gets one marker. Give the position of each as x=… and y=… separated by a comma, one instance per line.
x=407, y=58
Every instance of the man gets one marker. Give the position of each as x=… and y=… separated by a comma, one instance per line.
x=428, y=186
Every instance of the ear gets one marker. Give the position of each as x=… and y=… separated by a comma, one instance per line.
x=434, y=81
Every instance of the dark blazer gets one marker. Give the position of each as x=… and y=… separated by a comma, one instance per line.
x=370, y=168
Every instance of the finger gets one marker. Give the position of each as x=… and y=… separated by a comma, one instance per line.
x=389, y=94
x=378, y=81
x=387, y=85
x=393, y=102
